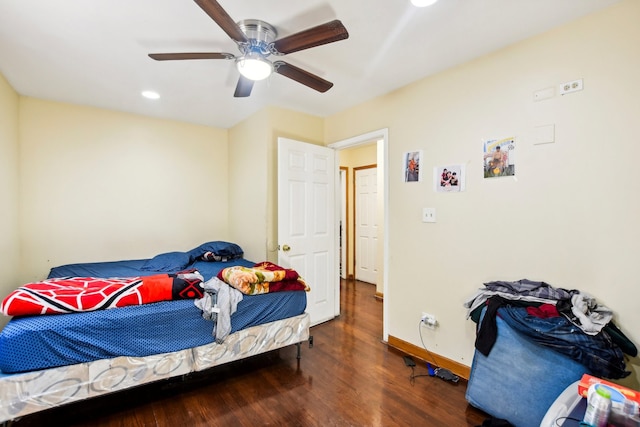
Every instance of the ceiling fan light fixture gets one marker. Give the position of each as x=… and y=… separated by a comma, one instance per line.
x=256, y=41
x=423, y=3
x=254, y=67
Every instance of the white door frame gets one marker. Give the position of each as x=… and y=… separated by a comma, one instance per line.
x=344, y=182
x=376, y=135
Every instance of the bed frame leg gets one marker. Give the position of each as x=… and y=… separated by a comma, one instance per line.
x=299, y=344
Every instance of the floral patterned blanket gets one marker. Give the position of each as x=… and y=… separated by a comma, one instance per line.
x=262, y=278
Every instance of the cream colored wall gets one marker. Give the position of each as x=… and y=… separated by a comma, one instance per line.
x=9, y=223
x=254, y=205
x=568, y=217
x=98, y=185
x=248, y=148
x=365, y=155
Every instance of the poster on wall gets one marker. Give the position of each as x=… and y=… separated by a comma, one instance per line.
x=449, y=179
x=499, y=157
x=411, y=166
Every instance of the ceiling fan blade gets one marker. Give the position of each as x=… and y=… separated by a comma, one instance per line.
x=222, y=18
x=322, y=34
x=302, y=76
x=190, y=55
x=243, y=88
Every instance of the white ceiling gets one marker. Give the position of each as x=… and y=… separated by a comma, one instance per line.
x=94, y=52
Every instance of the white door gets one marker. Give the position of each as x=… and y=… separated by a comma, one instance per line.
x=366, y=189
x=306, y=222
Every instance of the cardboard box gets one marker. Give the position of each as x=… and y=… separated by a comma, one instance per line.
x=588, y=380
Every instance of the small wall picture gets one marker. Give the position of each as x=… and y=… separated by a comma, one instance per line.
x=499, y=157
x=449, y=179
x=411, y=166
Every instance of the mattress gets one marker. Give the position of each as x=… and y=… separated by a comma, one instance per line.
x=31, y=343
x=30, y=392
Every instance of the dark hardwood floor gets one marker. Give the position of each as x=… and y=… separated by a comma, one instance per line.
x=348, y=378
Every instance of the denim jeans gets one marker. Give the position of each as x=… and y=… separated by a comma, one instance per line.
x=597, y=353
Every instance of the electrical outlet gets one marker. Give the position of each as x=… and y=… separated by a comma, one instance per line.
x=569, y=87
x=429, y=320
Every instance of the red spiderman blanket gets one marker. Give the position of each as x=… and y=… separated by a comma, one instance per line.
x=75, y=294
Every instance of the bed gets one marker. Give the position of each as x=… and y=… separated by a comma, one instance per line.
x=70, y=354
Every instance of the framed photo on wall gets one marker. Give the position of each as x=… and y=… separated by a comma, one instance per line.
x=499, y=157
x=449, y=179
x=411, y=166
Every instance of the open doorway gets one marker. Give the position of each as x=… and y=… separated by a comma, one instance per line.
x=379, y=139
x=362, y=205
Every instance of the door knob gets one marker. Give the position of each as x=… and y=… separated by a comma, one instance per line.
x=286, y=248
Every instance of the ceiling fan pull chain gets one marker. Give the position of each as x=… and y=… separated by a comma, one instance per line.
x=244, y=47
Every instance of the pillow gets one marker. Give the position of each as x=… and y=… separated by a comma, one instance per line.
x=220, y=250
x=170, y=262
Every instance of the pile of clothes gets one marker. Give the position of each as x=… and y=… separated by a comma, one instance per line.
x=568, y=321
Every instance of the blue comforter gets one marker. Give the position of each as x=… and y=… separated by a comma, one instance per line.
x=39, y=342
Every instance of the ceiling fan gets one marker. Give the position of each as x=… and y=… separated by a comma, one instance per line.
x=256, y=41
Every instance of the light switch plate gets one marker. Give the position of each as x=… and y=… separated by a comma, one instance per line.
x=428, y=214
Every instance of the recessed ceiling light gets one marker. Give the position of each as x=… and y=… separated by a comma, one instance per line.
x=423, y=3
x=149, y=94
